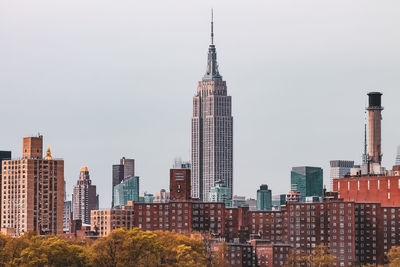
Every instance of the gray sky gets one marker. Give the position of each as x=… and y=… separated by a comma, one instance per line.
x=106, y=79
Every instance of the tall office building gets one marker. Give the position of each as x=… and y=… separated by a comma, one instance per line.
x=126, y=168
x=307, y=180
x=397, y=163
x=339, y=168
x=127, y=190
x=212, y=135
x=35, y=194
x=264, y=198
x=84, y=198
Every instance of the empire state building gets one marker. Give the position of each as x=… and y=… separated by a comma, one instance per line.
x=212, y=135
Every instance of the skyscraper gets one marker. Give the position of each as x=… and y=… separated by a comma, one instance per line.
x=212, y=135
x=307, y=180
x=84, y=198
x=126, y=168
x=35, y=192
x=264, y=198
x=339, y=168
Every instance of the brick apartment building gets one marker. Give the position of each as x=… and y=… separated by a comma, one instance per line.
x=237, y=254
x=355, y=232
x=270, y=254
x=32, y=191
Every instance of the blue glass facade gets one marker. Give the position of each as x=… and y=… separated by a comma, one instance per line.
x=127, y=190
x=307, y=180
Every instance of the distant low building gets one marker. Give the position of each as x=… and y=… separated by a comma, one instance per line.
x=264, y=198
x=161, y=197
x=397, y=162
x=67, y=215
x=238, y=201
x=251, y=203
x=220, y=193
x=147, y=198
x=340, y=168
x=293, y=196
x=278, y=201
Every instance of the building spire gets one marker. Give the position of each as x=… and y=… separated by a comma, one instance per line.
x=48, y=154
x=212, y=26
x=212, y=73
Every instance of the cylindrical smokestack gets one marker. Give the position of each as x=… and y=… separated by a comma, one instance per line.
x=374, y=127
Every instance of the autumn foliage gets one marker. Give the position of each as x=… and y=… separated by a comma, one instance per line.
x=121, y=248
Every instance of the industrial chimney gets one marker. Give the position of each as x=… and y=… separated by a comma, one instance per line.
x=374, y=127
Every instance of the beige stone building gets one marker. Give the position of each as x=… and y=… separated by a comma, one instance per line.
x=106, y=220
x=32, y=191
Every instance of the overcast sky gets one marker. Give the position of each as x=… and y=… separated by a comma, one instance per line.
x=106, y=79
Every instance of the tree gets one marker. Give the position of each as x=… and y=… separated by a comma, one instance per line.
x=51, y=251
x=142, y=248
x=3, y=255
x=320, y=257
x=294, y=260
x=394, y=256
x=220, y=258
x=180, y=250
x=104, y=252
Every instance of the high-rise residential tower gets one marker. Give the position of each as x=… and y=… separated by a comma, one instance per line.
x=84, y=198
x=121, y=171
x=35, y=194
x=212, y=134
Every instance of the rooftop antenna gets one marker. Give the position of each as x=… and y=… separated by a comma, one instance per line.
x=212, y=26
x=365, y=138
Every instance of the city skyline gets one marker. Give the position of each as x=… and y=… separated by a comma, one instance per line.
x=272, y=113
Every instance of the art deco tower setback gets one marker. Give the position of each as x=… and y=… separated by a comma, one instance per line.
x=212, y=135
x=85, y=197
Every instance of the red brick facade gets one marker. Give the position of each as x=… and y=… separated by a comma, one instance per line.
x=381, y=189
x=179, y=186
